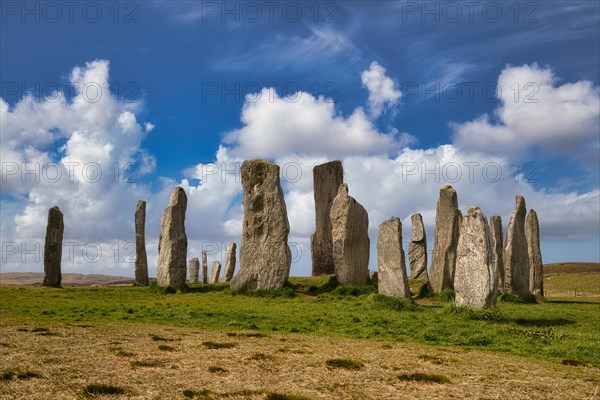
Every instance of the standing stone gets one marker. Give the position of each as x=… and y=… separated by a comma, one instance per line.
x=53, y=248
x=172, y=243
x=265, y=258
x=216, y=271
x=417, y=249
x=390, y=260
x=351, y=245
x=443, y=260
x=327, y=178
x=204, y=268
x=230, y=262
x=476, y=279
x=141, y=260
x=194, y=269
x=536, y=273
x=497, y=248
x=516, y=260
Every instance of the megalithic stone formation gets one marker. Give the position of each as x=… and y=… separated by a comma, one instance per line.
x=476, y=279
x=516, y=259
x=216, y=272
x=265, y=258
x=172, y=243
x=194, y=269
x=327, y=178
x=351, y=244
x=53, y=248
x=417, y=249
x=392, y=279
x=443, y=260
x=204, y=267
x=230, y=261
x=497, y=248
x=536, y=273
x=141, y=260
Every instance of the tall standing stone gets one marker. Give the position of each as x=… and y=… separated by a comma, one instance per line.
x=351, y=244
x=216, y=272
x=230, y=262
x=265, y=258
x=417, y=249
x=516, y=259
x=476, y=279
x=327, y=178
x=443, y=260
x=497, y=248
x=194, y=269
x=141, y=260
x=53, y=248
x=536, y=273
x=172, y=243
x=204, y=267
x=392, y=279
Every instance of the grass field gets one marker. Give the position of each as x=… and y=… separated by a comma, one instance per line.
x=312, y=339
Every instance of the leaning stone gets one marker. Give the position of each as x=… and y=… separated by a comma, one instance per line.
x=230, y=262
x=194, y=269
x=417, y=249
x=351, y=245
x=390, y=260
x=536, y=272
x=141, y=260
x=327, y=178
x=204, y=268
x=265, y=258
x=172, y=243
x=516, y=259
x=443, y=260
x=475, y=281
x=53, y=248
x=497, y=248
x=216, y=271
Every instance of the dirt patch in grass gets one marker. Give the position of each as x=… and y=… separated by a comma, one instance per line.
x=345, y=363
x=218, y=345
x=424, y=377
x=101, y=389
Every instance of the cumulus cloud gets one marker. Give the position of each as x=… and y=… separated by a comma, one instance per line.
x=382, y=89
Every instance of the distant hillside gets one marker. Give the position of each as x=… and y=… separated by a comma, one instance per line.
x=36, y=279
x=572, y=279
x=572, y=268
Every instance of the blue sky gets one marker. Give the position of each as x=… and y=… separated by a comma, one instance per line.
x=184, y=67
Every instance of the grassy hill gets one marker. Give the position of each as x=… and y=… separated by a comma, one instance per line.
x=572, y=279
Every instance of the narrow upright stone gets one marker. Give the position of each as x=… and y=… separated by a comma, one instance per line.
x=390, y=260
x=216, y=271
x=194, y=269
x=536, y=273
x=417, y=249
x=497, y=248
x=351, y=245
x=53, y=248
x=516, y=259
x=476, y=279
x=172, y=243
x=327, y=178
x=265, y=258
x=443, y=260
x=204, y=267
x=141, y=260
x=230, y=262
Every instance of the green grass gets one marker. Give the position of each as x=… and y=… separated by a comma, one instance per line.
x=554, y=329
x=423, y=377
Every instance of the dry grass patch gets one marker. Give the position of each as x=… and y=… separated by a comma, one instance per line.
x=218, y=345
x=214, y=369
x=96, y=389
x=345, y=363
x=424, y=377
x=164, y=347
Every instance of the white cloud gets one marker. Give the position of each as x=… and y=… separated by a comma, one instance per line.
x=382, y=89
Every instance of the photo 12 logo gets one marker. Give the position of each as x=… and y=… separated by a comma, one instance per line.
x=52, y=12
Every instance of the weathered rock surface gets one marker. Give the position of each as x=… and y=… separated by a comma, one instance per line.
x=351, y=244
x=53, y=248
x=497, y=248
x=230, y=261
x=172, y=243
x=417, y=249
x=390, y=260
x=194, y=269
x=516, y=259
x=475, y=281
x=374, y=277
x=215, y=272
x=443, y=259
x=327, y=178
x=536, y=273
x=265, y=258
x=141, y=260
x=204, y=267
